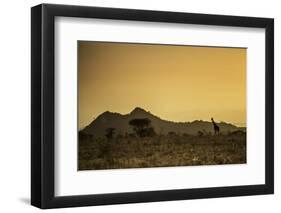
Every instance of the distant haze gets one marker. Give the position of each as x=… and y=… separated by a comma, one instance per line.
x=120, y=123
x=176, y=83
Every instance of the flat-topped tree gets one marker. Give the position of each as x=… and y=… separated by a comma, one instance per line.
x=142, y=127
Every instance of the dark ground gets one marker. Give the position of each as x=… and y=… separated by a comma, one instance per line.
x=161, y=151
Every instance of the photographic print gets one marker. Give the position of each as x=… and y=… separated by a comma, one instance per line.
x=160, y=105
x=156, y=95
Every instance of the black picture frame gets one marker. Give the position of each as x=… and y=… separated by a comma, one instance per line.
x=43, y=102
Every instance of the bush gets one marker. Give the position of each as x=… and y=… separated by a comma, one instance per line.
x=142, y=128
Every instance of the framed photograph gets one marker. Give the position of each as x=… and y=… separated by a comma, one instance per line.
x=139, y=106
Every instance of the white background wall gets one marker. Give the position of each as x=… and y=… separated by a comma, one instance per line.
x=15, y=105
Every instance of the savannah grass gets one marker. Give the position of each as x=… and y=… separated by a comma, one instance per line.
x=161, y=151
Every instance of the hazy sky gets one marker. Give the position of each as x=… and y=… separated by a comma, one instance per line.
x=178, y=83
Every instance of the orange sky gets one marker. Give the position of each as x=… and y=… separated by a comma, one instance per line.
x=178, y=83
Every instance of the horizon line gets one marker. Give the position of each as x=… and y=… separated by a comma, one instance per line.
x=237, y=124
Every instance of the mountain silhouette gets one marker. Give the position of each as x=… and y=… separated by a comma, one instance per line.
x=97, y=128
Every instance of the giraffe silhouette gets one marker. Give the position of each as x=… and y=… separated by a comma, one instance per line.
x=216, y=127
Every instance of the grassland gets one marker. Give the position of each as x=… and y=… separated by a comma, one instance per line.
x=161, y=151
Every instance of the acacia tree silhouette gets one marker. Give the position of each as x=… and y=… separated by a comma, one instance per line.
x=142, y=127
